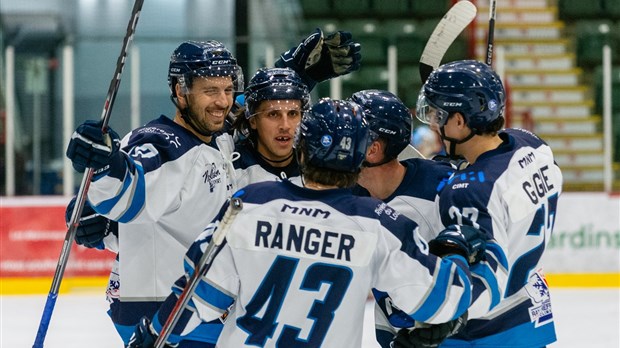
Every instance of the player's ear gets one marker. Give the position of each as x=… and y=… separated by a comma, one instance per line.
x=252, y=121
x=460, y=119
x=374, y=152
x=180, y=95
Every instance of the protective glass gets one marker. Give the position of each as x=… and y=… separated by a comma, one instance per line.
x=428, y=113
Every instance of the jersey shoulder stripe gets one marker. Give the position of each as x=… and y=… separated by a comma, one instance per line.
x=158, y=142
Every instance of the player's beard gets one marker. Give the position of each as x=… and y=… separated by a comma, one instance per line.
x=202, y=120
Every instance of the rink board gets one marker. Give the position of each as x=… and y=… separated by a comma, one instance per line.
x=584, y=250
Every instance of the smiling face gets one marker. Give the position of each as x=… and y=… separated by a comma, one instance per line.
x=209, y=100
x=275, y=122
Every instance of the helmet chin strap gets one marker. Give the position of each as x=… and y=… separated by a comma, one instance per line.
x=453, y=142
x=186, y=116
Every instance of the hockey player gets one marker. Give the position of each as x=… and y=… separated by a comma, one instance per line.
x=298, y=262
x=156, y=181
x=509, y=191
x=275, y=99
x=170, y=174
x=410, y=186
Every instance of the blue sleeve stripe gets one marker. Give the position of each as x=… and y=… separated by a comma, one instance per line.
x=138, y=199
x=465, y=300
x=106, y=206
x=497, y=251
x=437, y=296
x=157, y=326
x=214, y=296
x=483, y=271
x=463, y=277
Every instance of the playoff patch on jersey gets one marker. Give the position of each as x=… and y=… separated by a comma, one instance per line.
x=538, y=291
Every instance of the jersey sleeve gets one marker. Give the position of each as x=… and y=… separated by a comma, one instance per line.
x=214, y=293
x=145, y=184
x=429, y=289
x=488, y=214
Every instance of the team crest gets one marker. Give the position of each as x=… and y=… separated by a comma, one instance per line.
x=538, y=291
x=326, y=140
x=212, y=176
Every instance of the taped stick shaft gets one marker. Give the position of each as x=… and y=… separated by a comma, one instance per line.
x=491, y=34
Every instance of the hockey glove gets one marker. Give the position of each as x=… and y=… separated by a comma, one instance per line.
x=90, y=147
x=429, y=336
x=466, y=241
x=92, y=228
x=317, y=59
x=144, y=336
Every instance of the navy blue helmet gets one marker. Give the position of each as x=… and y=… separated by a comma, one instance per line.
x=469, y=87
x=202, y=59
x=335, y=134
x=275, y=84
x=388, y=117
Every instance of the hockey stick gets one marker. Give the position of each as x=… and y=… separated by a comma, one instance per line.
x=447, y=30
x=200, y=271
x=86, y=179
x=491, y=34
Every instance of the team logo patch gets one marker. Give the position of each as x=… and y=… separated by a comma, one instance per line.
x=212, y=176
x=538, y=291
x=114, y=283
x=492, y=104
x=326, y=140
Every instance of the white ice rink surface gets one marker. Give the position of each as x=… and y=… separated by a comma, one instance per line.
x=584, y=318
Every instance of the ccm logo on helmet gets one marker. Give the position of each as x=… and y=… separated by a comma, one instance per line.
x=281, y=83
x=387, y=131
x=221, y=62
x=452, y=104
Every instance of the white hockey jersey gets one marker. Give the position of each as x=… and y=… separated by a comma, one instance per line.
x=250, y=168
x=417, y=198
x=298, y=264
x=511, y=194
x=417, y=195
x=172, y=186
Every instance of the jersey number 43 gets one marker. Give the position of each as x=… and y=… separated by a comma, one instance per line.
x=275, y=287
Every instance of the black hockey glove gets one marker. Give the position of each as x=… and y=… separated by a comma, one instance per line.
x=317, y=59
x=466, y=241
x=459, y=163
x=92, y=228
x=89, y=147
x=429, y=336
x=144, y=336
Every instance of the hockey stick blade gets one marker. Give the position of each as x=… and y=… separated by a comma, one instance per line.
x=200, y=271
x=447, y=30
x=410, y=152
